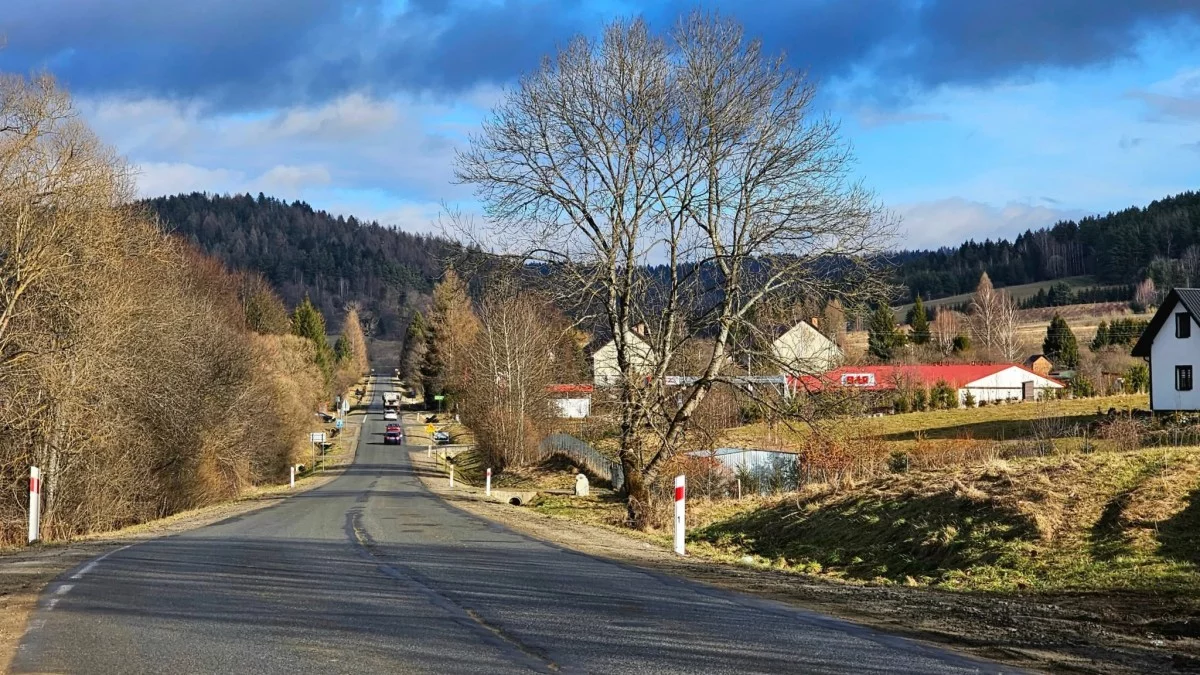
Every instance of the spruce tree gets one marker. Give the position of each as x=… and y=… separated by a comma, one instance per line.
x=883, y=338
x=1060, y=345
x=1101, y=340
x=307, y=322
x=918, y=320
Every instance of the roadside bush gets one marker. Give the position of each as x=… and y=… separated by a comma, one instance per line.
x=1124, y=432
x=969, y=400
x=898, y=461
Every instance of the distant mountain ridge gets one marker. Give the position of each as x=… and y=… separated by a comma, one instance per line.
x=302, y=251
x=1117, y=248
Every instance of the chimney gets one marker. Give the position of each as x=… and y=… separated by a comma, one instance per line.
x=816, y=322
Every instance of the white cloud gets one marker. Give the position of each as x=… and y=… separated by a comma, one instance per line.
x=155, y=179
x=350, y=117
x=290, y=179
x=949, y=222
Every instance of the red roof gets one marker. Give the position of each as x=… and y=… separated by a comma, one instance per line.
x=882, y=378
x=569, y=388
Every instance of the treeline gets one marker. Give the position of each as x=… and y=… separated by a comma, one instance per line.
x=309, y=253
x=1117, y=248
x=140, y=375
x=1061, y=294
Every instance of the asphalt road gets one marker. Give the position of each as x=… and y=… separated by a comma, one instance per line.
x=371, y=573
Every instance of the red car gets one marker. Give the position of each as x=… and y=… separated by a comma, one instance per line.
x=393, y=435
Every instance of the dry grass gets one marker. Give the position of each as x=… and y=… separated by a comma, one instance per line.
x=993, y=422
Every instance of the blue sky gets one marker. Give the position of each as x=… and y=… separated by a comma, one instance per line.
x=971, y=119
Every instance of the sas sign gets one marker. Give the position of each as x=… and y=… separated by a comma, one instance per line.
x=858, y=380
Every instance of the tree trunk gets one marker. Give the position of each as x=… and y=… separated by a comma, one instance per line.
x=637, y=494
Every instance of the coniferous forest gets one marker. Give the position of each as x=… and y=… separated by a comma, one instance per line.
x=1118, y=249
x=336, y=260
x=333, y=260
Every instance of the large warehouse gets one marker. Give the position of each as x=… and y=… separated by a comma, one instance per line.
x=984, y=381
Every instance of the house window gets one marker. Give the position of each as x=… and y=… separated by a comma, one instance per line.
x=1183, y=325
x=1183, y=378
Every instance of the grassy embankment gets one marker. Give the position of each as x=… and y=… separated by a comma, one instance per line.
x=1107, y=520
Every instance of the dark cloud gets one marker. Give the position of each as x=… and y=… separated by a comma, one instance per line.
x=251, y=53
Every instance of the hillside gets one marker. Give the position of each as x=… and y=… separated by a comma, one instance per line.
x=303, y=251
x=1161, y=240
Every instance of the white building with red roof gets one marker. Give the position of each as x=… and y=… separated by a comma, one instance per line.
x=984, y=381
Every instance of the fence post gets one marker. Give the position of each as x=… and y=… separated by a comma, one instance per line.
x=451, y=476
x=35, y=503
x=680, y=524
x=487, y=488
x=292, y=476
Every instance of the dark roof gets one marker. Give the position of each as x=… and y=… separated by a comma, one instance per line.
x=1190, y=297
x=1035, y=357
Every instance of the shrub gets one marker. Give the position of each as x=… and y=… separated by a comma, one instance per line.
x=898, y=461
x=920, y=400
x=969, y=400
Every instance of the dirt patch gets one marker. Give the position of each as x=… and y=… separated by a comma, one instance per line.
x=1053, y=632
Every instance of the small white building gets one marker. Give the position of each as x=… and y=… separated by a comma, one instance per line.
x=1171, y=345
x=571, y=401
x=606, y=372
x=803, y=350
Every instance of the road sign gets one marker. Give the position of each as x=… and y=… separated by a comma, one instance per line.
x=439, y=397
x=429, y=429
x=340, y=423
x=316, y=437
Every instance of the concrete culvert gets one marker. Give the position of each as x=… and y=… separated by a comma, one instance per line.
x=516, y=501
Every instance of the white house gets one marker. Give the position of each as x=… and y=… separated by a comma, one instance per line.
x=983, y=381
x=606, y=372
x=1171, y=344
x=804, y=349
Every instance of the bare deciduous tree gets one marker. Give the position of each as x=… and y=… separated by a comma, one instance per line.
x=695, y=153
x=994, y=321
x=945, y=327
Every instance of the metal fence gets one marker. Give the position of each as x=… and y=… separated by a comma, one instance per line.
x=584, y=456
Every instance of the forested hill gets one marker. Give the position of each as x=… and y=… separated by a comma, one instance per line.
x=1119, y=248
x=301, y=251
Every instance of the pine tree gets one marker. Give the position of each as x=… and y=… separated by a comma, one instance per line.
x=307, y=322
x=919, y=322
x=1060, y=345
x=1101, y=340
x=883, y=338
x=413, y=356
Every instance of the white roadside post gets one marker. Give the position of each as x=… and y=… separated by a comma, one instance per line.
x=35, y=503
x=680, y=525
x=487, y=486
x=292, y=476
x=451, y=474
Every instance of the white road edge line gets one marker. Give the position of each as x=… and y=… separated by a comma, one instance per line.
x=92, y=565
x=65, y=588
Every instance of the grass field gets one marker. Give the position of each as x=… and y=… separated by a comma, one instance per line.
x=1108, y=521
x=993, y=422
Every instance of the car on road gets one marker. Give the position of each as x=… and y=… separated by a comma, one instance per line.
x=393, y=436
x=441, y=437
x=391, y=415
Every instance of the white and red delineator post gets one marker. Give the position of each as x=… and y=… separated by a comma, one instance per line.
x=35, y=503
x=487, y=488
x=680, y=525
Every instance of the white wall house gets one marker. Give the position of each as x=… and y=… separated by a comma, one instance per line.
x=606, y=372
x=804, y=349
x=1171, y=343
x=983, y=381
